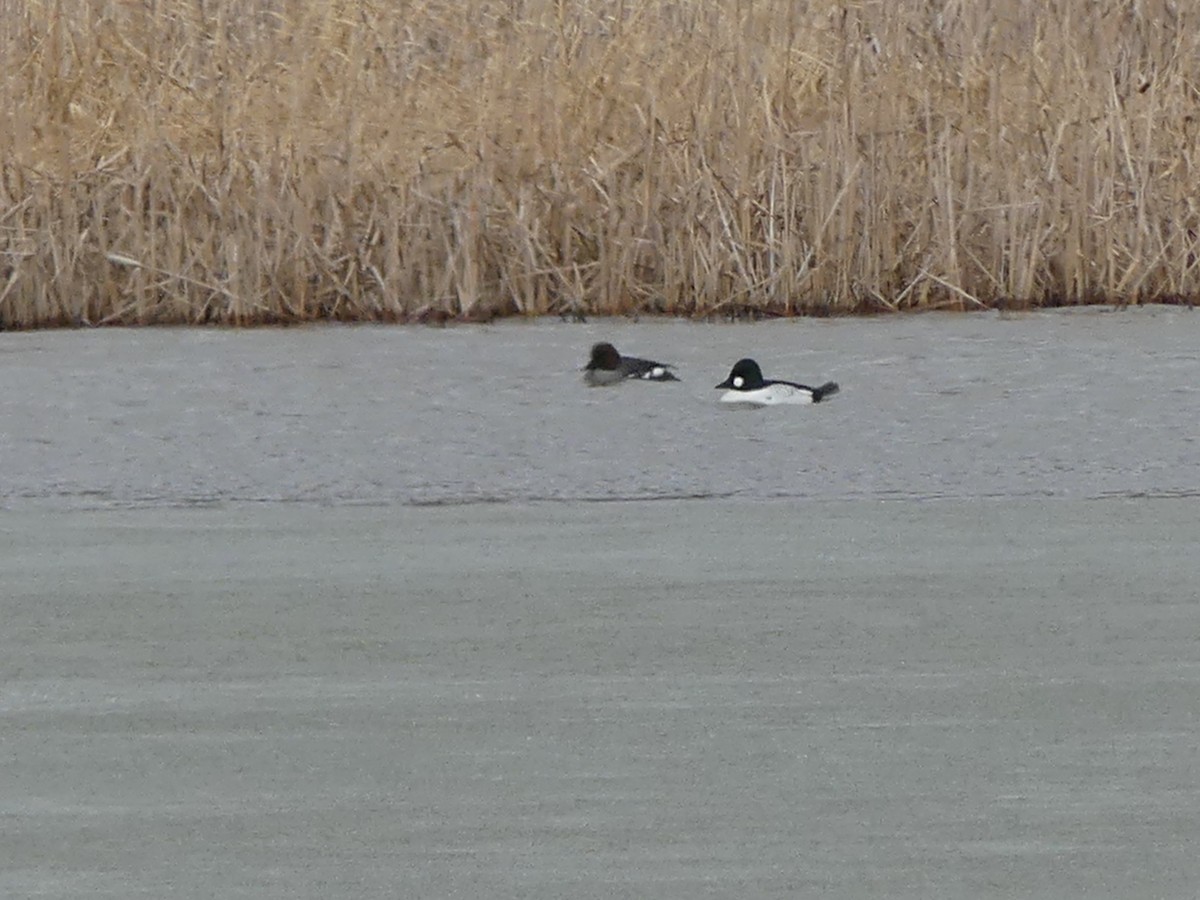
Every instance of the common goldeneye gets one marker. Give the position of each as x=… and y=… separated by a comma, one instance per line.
x=745, y=384
x=607, y=366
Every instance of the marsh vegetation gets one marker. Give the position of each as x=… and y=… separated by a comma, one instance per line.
x=248, y=161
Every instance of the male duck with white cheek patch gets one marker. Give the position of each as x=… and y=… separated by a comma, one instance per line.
x=746, y=384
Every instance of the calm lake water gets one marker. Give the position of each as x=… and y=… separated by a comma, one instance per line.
x=334, y=612
x=1083, y=404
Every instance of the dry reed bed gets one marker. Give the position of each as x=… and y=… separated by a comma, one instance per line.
x=249, y=161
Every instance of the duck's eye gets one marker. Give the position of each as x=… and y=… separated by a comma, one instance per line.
x=738, y=381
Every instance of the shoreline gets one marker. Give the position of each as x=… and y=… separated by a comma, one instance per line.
x=443, y=318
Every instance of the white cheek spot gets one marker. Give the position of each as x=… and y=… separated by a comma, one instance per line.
x=739, y=381
x=656, y=372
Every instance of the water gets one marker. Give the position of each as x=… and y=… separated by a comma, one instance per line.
x=1083, y=404
x=935, y=638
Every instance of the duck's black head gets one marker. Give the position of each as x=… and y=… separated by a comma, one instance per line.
x=604, y=356
x=744, y=376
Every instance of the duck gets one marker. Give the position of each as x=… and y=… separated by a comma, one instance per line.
x=607, y=366
x=746, y=384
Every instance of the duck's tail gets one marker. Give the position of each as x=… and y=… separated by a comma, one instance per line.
x=827, y=389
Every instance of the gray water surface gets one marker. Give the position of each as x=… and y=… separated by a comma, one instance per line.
x=1079, y=404
x=259, y=638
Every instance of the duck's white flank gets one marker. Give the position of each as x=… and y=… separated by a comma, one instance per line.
x=769, y=395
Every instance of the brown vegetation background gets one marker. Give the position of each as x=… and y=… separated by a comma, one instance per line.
x=250, y=161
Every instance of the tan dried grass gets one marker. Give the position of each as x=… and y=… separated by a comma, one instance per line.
x=247, y=161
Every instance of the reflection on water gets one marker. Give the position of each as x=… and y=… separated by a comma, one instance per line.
x=1083, y=403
